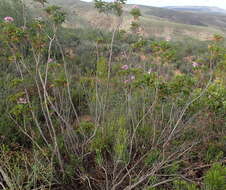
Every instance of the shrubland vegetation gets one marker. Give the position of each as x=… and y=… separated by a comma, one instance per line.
x=90, y=109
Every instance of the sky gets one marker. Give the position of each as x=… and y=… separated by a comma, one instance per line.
x=162, y=3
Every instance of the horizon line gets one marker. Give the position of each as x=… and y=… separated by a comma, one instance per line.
x=162, y=6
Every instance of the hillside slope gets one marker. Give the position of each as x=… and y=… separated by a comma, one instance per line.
x=194, y=18
x=156, y=22
x=205, y=9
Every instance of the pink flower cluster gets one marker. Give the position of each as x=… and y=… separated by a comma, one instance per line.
x=135, y=7
x=22, y=101
x=125, y=67
x=195, y=64
x=130, y=80
x=8, y=19
x=50, y=60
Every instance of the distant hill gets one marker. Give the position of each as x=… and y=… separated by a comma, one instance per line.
x=199, y=18
x=205, y=9
x=156, y=22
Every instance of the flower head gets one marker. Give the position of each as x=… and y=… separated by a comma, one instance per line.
x=8, y=19
x=22, y=101
x=149, y=71
x=50, y=60
x=135, y=7
x=132, y=77
x=195, y=64
x=125, y=67
x=126, y=81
